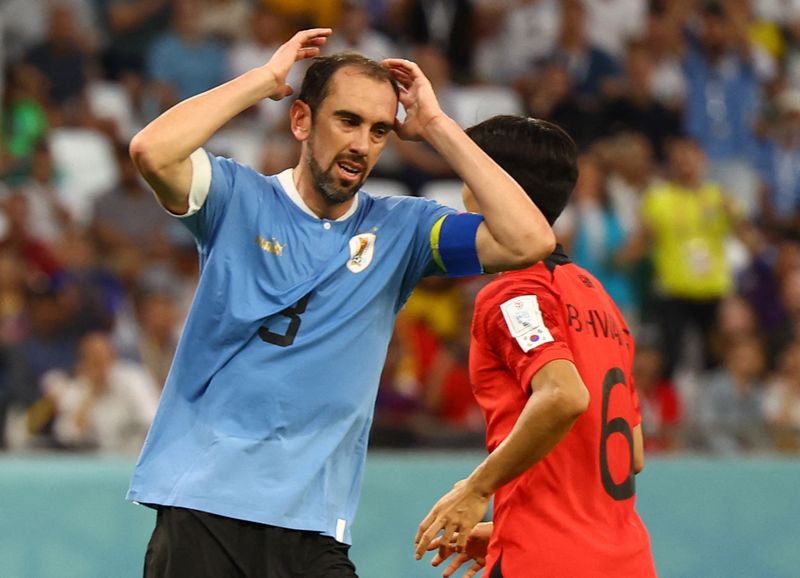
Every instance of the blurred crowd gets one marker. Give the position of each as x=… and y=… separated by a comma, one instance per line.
x=686, y=113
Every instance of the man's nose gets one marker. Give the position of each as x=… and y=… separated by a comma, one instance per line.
x=360, y=142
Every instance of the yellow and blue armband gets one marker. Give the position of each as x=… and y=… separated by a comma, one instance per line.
x=453, y=244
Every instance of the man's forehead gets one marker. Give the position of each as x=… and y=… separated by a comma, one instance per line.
x=353, y=90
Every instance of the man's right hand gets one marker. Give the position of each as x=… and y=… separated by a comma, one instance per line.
x=475, y=551
x=304, y=44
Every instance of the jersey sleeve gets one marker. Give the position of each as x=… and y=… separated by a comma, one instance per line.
x=211, y=192
x=522, y=326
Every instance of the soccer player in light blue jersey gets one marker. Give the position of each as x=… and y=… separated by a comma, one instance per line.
x=254, y=460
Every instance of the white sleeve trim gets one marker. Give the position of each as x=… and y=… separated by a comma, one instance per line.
x=201, y=183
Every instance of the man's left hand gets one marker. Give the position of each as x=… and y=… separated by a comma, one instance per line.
x=457, y=512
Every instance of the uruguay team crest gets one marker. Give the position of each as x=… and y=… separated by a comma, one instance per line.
x=362, y=249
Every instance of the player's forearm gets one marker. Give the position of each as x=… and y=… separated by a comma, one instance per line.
x=173, y=136
x=544, y=422
x=511, y=217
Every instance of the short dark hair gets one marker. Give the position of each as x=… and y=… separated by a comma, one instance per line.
x=316, y=82
x=539, y=155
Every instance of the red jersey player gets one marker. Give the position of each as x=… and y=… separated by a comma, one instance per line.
x=551, y=365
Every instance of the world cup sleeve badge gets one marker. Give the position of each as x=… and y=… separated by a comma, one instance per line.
x=362, y=250
x=525, y=323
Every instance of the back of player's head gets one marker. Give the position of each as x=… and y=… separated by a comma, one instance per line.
x=537, y=154
x=317, y=81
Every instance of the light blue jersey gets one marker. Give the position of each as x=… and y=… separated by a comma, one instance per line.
x=266, y=411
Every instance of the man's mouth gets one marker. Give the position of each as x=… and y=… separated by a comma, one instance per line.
x=350, y=168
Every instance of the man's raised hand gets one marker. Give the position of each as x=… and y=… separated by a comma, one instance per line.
x=304, y=44
x=416, y=96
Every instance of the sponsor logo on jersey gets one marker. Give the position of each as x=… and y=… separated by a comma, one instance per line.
x=270, y=246
x=362, y=250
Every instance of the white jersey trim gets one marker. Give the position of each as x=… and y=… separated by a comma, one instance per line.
x=286, y=179
x=201, y=184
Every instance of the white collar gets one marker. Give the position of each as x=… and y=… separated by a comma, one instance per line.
x=286, y=179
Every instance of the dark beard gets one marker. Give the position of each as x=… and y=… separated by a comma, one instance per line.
x=326, y=185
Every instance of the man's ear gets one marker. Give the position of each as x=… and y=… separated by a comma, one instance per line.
x=300, y=115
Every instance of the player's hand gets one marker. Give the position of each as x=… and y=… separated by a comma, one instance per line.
x=416, y=96
x=475, y=551
x=457, y=512
x=304, y=44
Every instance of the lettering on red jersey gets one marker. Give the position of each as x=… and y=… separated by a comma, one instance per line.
x=524, y=320
x=596, y=323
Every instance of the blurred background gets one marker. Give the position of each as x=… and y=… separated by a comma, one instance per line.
x=687, y=116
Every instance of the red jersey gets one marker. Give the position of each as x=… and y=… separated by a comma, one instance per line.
x=572, y=513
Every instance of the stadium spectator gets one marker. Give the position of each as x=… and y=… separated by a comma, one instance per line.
x=158, y=322
x=592, y=70
x=61, y=61
x=18, y=236
x=131, y=26
x=516, y=34
x=548, y=93
x=735, y=318
x=790, y=301
x=660, y=401
x=118, y=235
x=723, y=84
x=779, y=166
x=727, y=416
x=633, y=106
x=103, y=403
x=596, y=234
x=665, y=43
x=628, y=158
x=449, y=26
x=611, y=24
x=26, y=124
x=782, y=400
x=686, y=221
x=184, y=62
x=226, y=21
x=278, y=378
x=353, y=33
x=761, y=282
x=49, y=344
x=48, y=217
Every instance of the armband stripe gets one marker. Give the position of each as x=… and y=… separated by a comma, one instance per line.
x=435, y=233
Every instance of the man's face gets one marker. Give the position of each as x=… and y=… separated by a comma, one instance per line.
x=348, y=133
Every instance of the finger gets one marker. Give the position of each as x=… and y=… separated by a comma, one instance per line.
x=455, y=565
x=449, y=533
x=307, y=52
x=426, y=538
x=426, y=521
x=306, y=35
x=400, y=63
x=435, y=543
x=472, y=570
x=461, y=541
x=402, y=78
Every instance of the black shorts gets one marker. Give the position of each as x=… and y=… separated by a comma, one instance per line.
x=187, y=543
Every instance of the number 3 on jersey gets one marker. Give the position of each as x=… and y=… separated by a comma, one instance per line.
x=627, y=487
x=293, y=313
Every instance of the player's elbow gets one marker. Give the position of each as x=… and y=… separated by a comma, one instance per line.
x=532, y=248
x=146, y=155
x=141, y=153
x=571, y=400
